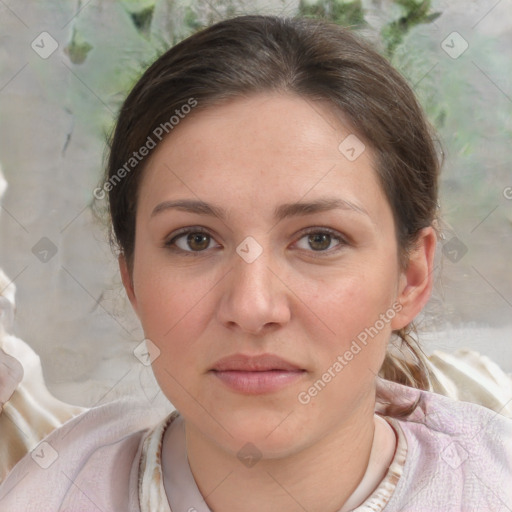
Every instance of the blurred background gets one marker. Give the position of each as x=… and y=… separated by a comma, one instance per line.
x=65, y=68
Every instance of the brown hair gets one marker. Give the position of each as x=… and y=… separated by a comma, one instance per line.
x=317, y=60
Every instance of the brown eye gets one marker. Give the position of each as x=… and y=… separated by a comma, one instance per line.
x=319, y=241
x=198, y=241
x=195, y=241
x=190, y=241
x=322, y=241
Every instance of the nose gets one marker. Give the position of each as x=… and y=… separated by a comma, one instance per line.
x=254, y=299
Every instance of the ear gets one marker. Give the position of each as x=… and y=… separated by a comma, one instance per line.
x=416, y=280
x=127, y=281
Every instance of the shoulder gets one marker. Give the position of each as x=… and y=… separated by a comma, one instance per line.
x=93, y=459
x=459, y=455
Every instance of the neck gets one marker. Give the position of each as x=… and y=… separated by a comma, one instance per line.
x=320, y=477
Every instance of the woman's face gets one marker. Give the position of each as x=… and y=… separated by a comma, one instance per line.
x=315, y=285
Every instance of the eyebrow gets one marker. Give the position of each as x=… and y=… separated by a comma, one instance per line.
x=281, y=212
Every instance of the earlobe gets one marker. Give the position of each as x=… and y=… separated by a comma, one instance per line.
x=417, y=279
x=127, y=281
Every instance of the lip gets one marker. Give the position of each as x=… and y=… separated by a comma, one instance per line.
x=259, y=363
x=264, y=373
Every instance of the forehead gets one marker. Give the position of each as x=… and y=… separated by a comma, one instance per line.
x=260, y=151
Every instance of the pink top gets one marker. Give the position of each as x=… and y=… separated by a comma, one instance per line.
x=450, y=456
x=185, y=496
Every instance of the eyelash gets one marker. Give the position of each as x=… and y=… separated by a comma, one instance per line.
x=169, y=244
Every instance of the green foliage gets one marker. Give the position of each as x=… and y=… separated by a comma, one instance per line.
x=141, y=13
x=412, y=13
x=352, y=14
x=135, y=6
x=191, y=19
x=347, y=14
x=142, y=19
x=78, y=48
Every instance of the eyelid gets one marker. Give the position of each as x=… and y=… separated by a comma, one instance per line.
x=323, y=229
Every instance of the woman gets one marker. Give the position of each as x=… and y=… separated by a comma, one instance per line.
x=272, y=185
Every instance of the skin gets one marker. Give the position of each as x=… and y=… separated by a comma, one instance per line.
x=249, y=156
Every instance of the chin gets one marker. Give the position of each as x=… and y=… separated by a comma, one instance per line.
x=270, y=435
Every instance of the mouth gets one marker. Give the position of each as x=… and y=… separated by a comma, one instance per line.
x=256, y=374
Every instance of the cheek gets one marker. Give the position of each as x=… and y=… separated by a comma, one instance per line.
x=166, y=295
x=358, y=313
x=173, y=312
x=174, y=309
x=348, y=359
x=353, y=301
